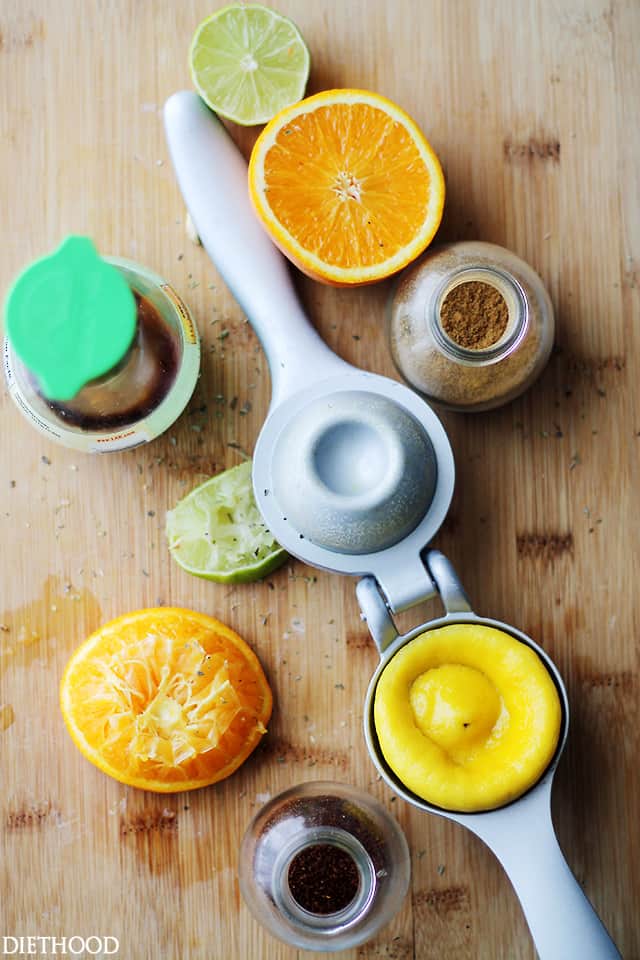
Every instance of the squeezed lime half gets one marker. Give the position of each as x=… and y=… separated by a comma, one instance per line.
x=217, y=532
x=248, y=63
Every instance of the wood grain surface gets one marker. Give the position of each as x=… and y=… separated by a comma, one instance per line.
x=532, y=107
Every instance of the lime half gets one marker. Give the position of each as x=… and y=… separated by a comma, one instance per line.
x=248, y=62
x=218, y=533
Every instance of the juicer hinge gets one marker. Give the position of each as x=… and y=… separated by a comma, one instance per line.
x=441, y=580
x=404, y=581
x=376, y=613
x=446, y=582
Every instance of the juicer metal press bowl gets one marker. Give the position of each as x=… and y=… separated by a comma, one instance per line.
x=354, y=473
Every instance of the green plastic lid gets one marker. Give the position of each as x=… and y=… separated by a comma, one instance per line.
x=70, y=317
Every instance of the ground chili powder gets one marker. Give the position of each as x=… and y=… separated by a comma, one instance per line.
x=474, y=315
x=323, y=878
x=307, y=870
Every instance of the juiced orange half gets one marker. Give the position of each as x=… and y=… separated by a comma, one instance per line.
x=467, y=717
x=165, y=699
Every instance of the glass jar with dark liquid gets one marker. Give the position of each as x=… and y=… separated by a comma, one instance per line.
x=140, y=395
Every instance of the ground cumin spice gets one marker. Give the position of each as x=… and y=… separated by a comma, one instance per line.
x=471, y=326
x=474, y=315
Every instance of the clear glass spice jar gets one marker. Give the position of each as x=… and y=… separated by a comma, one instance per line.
x=470, y=326
x=324, y=866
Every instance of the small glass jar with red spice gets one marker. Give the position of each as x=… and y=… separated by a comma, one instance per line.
x=324, y=866
x=471, y=326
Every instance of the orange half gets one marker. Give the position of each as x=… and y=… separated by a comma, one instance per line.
x=165, y=699
x=347, y=186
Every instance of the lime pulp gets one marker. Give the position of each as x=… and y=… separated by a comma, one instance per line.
x=217, y=532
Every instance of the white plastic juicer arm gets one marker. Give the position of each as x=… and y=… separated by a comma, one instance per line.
x=212, y=176
x=563, y=923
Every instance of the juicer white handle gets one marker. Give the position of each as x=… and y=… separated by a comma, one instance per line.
x=212, y=176
x=563, y=923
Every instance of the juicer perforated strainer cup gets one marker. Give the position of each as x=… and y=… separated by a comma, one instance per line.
x=354, y=473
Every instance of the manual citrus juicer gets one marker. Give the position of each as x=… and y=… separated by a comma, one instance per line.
x=354, y=473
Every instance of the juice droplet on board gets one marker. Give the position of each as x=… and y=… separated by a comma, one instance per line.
x=7, y=716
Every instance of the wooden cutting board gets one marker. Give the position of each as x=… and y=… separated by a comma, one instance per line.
x=532, y=107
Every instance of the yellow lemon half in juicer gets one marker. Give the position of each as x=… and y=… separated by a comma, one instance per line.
x=467, y=717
